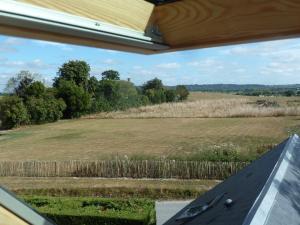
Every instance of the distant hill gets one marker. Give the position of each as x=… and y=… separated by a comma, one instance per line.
x=240, y=87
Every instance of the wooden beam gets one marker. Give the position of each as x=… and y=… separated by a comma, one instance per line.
x=134, y=14
x=190, y=24
x=8, y=218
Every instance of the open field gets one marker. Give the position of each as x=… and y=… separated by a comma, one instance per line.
x=91, y=139
x=213, y=105
x=94, y=138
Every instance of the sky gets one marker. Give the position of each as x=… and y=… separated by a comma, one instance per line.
x=273, y=62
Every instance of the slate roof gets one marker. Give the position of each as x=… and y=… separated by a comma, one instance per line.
x=23, y=211
x=265, y=192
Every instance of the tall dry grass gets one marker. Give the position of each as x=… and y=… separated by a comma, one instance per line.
x=154, y=169
x=222, y=108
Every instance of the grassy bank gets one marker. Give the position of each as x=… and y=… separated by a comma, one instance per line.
x=108, y=188
x=85, y=211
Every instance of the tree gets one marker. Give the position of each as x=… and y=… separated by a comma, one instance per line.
x=170, y=95
x=35, y=89
x=75, y=71
x=18, y=84
x=110, y=75
x=92, y=86
x=109, y=90
x=182, y=92
x=155, y=84
x=13, y=112
x=77, y=100
x=289, y=93
x=127, y=89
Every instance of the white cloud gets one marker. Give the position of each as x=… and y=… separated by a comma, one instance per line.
x=110, y=61
x=36, y=64
x=9, y=45
x=208, y=64
x=63, y=47
x=238, y=50
x=171, y=66
x=137, y=67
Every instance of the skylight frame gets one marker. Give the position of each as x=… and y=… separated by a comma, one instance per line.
x=27, y=16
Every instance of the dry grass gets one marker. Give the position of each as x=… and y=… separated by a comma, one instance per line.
x=208, y=108
x=116, y=188
x=92, y=139
x=15, y=183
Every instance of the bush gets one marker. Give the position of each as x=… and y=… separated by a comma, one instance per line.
x=100, y=104
x=156, y=96
x=77, y=100
x=13, y=112
x=170, y=95
x=84, y=211
x=46, y=109
x=108, y=90
x=182, y=92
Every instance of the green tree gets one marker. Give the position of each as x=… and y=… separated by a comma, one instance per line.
x=170, y=95
x=155, y=84
x=110, y=75
x=13, y=112
x=35, y=89
x=75, y=71
x=77, y=100
x=182, y=92
x=92, y=86
x=109, y=90
x=19, y=82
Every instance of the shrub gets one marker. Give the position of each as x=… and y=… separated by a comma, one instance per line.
x=182, y=92
x=170, y=95
x=13, y=112
x=66, y=210
x=77, y=100
x=156, y=96
x=100, y=104
x=46, y=109
x=108, y=90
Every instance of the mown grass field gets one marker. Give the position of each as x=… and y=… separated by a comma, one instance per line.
x=97, y=138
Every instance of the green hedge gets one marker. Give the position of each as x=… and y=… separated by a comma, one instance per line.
x=86, y=211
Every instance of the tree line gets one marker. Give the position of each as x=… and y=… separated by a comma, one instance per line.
x=75, y=93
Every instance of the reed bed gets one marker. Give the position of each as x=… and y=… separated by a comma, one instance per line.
x=158, y=169
x=222, y=108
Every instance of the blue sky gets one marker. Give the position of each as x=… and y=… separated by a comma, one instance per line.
x=275, y=62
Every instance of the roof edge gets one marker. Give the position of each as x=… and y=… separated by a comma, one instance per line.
x=259, y=212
